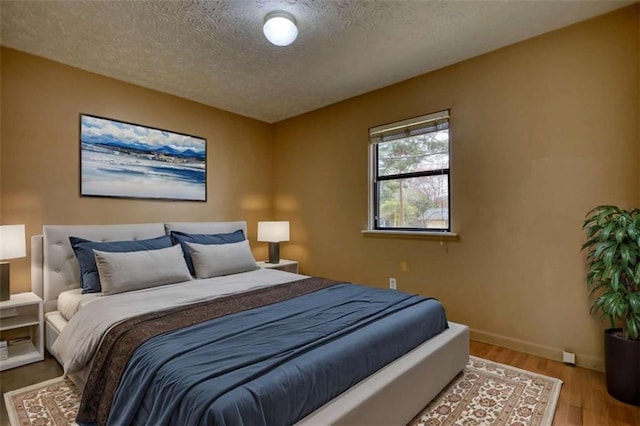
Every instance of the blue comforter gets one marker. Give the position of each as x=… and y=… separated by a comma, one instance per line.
x=275, y=364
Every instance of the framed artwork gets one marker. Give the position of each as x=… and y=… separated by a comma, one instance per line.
x=125, y=160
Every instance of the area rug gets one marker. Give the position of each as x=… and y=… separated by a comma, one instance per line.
x=488, y=393
x=485, y=393
x=51, y=403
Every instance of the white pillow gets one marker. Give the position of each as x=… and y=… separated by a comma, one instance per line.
x=214, y=260
x=120, y=272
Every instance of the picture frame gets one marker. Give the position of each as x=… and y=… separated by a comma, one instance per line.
x=125, y=160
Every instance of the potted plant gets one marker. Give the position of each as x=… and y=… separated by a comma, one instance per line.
x=613, y=257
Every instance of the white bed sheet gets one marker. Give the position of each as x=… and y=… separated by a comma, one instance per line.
x=79, y=339
x=70, y=301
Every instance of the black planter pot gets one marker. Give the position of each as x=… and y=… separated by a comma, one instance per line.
x=622, y=367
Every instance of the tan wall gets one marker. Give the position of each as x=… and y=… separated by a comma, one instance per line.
x=41, y=102
x=542, y=131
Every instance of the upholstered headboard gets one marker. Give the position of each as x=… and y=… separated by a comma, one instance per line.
x=54, y=267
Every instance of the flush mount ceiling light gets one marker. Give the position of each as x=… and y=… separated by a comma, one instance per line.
x=280, y=28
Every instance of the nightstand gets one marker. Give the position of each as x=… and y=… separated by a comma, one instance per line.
x=284, y=265
x=22, y=316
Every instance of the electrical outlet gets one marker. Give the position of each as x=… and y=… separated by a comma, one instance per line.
x=568, y=357
x=393, y=284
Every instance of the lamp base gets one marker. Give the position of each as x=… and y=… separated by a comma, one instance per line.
x=274, y=253
x=5, y=291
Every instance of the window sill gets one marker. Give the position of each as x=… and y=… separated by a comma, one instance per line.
x=412, y=235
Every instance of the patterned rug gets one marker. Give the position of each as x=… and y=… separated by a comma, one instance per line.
x=54, y=402
x=485, y=393
x=488, y=393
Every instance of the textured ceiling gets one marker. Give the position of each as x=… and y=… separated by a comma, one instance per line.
x=214, y=52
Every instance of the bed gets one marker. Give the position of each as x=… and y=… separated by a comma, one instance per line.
x=392, y=394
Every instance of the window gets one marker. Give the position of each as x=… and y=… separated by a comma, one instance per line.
x=410, y=174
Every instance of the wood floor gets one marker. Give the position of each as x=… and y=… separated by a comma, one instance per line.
x=583, y=399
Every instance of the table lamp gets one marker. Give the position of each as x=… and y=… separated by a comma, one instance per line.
x=273, y=232
x=12, y=246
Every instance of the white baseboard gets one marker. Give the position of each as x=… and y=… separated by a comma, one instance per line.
x=586, y=361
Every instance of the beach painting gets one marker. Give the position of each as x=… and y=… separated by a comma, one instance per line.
x=119, y=159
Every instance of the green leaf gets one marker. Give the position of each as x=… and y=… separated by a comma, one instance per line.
x=609, y=255
x=593, y=211
x=605, y=211
x=615, y=280
x=606, y=231
x=623, y=219
x=627, y=274
x=634, y=301
x=633, y=253
x=590, y=242
x=636, y=221
x=601, y=247
x=597, y=306
x=607, y=303
x=625, y=254
x=632, y=328
x=606, y=275
x=591, y=256
x=631, y=230
x=614, y=304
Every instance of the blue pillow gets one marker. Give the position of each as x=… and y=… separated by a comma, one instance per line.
x=89, y=278
x=183, y=238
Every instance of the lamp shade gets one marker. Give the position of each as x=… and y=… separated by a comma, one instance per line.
x=12, y=242
x=280, y=28
x=273, y=232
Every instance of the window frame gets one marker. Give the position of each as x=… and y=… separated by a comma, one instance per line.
x=375, y=179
